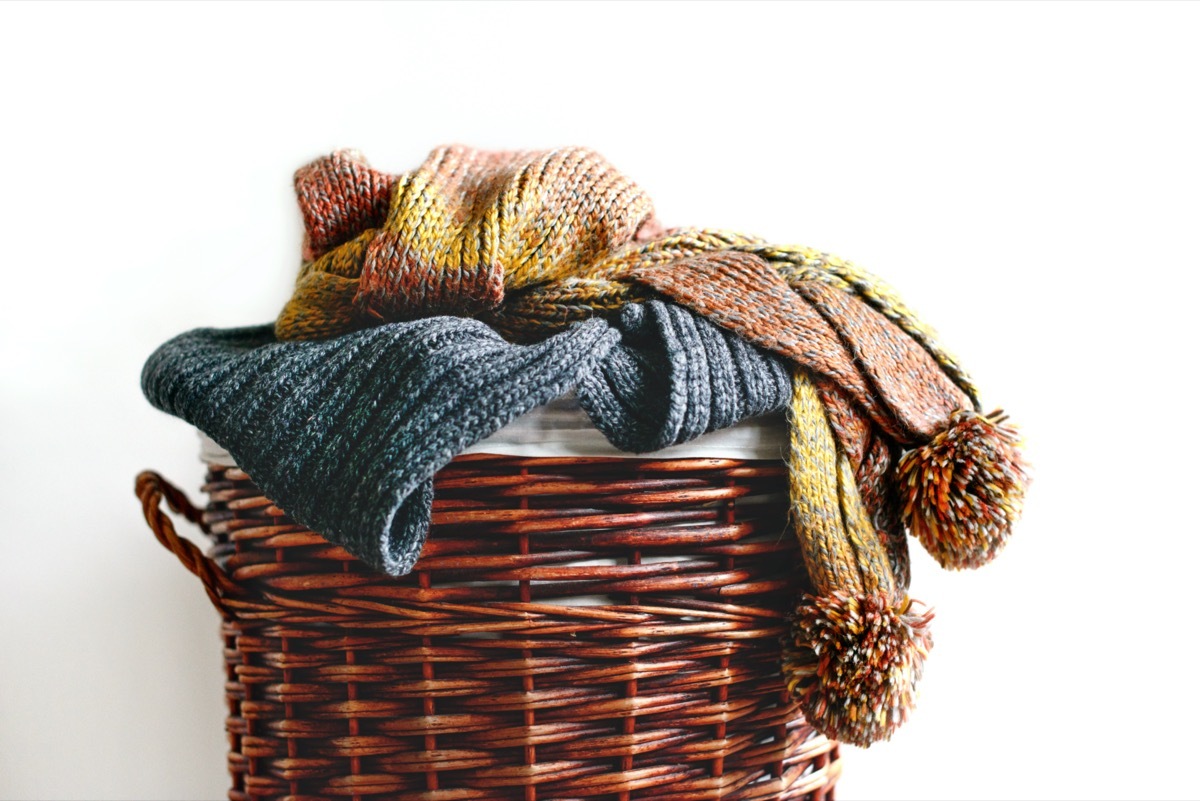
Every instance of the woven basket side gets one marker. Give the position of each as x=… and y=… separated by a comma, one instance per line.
x=575, y=628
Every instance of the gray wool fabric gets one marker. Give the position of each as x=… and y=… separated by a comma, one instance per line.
x=346, y=434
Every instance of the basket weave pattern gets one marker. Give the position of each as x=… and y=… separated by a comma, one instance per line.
x=575, y=628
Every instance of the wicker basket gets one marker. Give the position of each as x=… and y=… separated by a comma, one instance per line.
x=576, y=628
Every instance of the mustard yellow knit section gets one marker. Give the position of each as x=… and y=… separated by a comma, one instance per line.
x=323, y=303
x=837, y=540
x=870, y=557
x=468, y=209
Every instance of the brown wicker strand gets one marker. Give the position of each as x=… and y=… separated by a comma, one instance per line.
x=152, y=489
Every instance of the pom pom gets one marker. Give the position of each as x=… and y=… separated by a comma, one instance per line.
x=962, y=491
x=853, y=664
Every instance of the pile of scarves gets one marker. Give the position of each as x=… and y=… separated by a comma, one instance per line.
x=437, y=305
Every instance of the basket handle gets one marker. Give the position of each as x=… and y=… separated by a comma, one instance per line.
x=152, y=489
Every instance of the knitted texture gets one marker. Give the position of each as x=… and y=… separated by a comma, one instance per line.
x=347, y=433
x=436, y=305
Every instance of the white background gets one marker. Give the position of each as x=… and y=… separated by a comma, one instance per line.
x=1025, y=174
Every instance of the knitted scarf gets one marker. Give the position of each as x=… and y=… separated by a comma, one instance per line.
x=435, y=306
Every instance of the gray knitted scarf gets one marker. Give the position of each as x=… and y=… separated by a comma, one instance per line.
x=346, y=434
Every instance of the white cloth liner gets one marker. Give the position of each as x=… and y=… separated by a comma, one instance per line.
x=562, y=428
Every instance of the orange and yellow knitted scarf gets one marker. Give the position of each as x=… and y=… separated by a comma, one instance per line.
x=886, y=435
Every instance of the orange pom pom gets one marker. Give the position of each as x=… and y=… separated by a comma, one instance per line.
x=962, y=491
x=853, y=664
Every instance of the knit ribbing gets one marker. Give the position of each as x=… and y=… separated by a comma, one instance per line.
x=347, y=434
x=343, y=432
x=459, y=231
x=676, y=376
